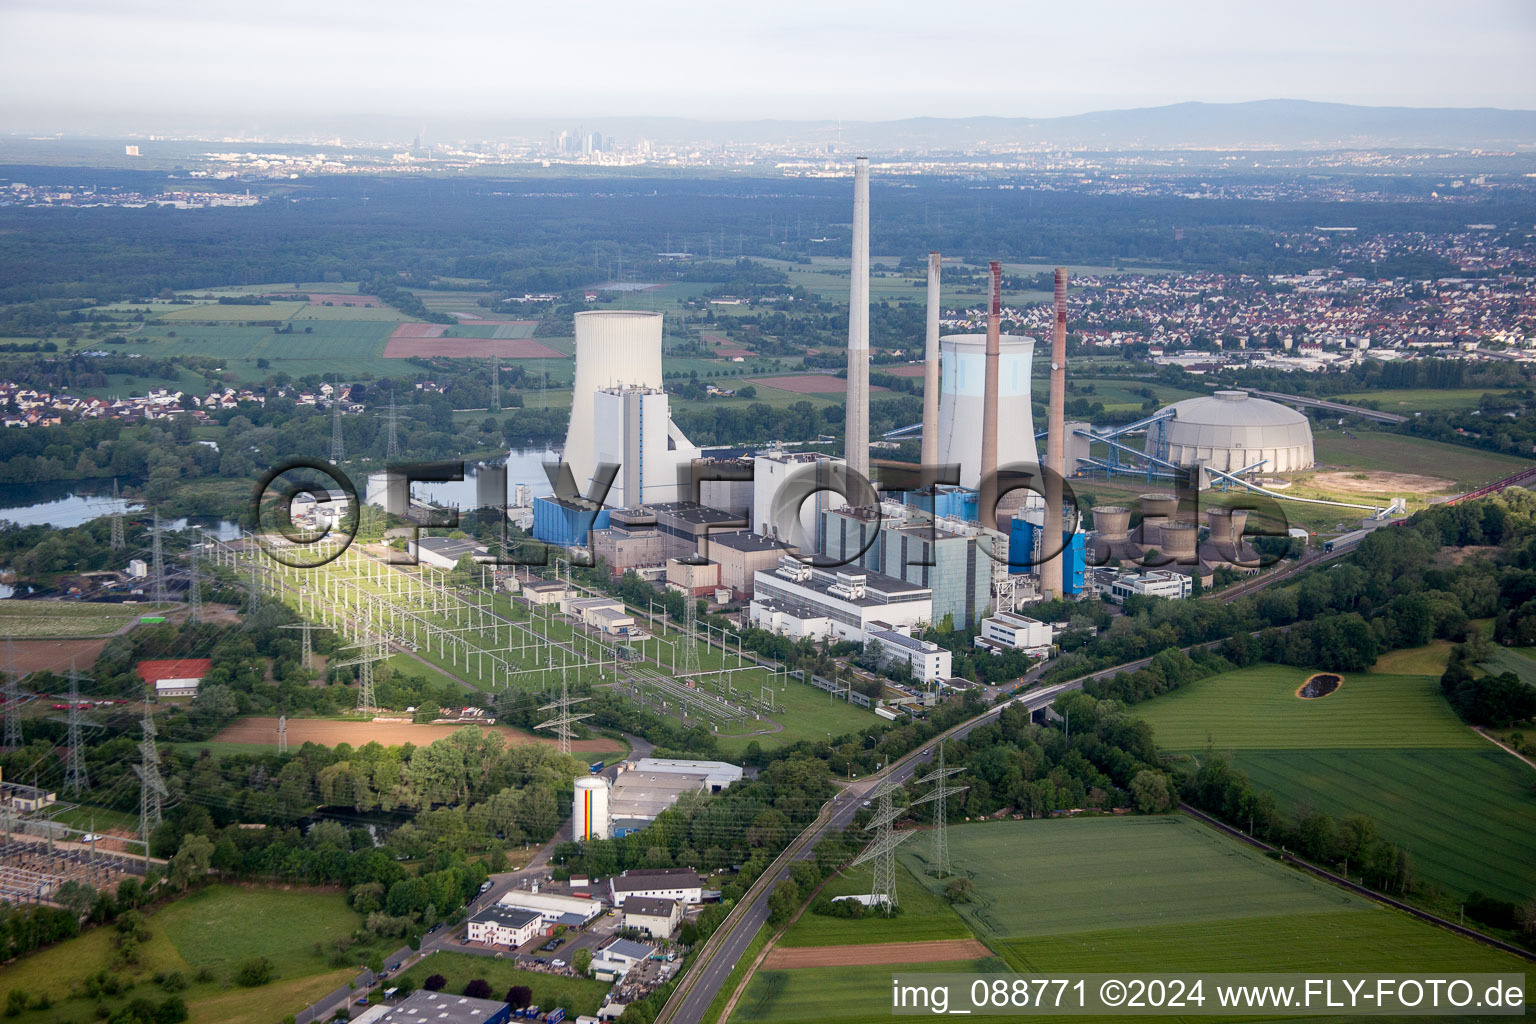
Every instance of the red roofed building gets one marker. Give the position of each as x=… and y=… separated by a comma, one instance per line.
x=177, y=677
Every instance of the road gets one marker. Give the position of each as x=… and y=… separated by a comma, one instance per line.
x=1339, y=407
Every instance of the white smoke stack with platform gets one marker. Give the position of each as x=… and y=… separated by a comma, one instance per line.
x=856, y=416
x=1050, y=571
x=930, y=454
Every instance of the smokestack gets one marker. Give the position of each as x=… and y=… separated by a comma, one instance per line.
x=987, y=499
x=856, y=418
x=1050, y=571
x=931, y=368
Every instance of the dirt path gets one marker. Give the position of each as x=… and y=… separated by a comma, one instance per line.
x=1503, y=746
x=937, y=951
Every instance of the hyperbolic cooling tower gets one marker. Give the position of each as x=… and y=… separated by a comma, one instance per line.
x=962, y=359
x=613, y=348
x=1159, y=503
x=1227, y=524
x=1179, y=541
x=589, y=811
x=1111, y=522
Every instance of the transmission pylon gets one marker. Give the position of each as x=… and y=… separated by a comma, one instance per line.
x=307, y=628
x=151, y=787
x=688, y=664
x=157, y=591
x=883, y=850
x=938, y=836
x=253, y=602
x=338, y=450
x=561, y=724
x=194, y=582
x=282, y=734
x=76, y=779
x=117, y=518
x=495, y=381
x=391, y=435
x=372, y=648
x=12, y=698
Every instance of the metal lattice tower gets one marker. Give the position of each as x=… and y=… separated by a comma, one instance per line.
x=151, y=787
x=76, y=779
x=938, y=836
x=883, y=850
x=12, y=698
x=495, y=380
x=157, y=591
x=391, y=435
x=564, y=719
x=688, y=664
x=372, y=648
x=194, y=582
x=308, y=629
x=117, y=518
x=282, y=734
x=338, y=450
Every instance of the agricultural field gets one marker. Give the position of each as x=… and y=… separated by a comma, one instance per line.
x=578, y=995
x=1519, y=660
x=848, y=995
x=233, y=313
x=1411, y=400
x=924, y=915
x=49, y=619
x=192, y=936
x=1373, y=450
x=1386, y=746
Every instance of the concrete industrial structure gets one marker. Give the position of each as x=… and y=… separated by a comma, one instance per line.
x=1052, y=572
x=589, y=808
x=1007, y=630
x=681, y=884
x=630, y=541
x=790, y=492
x=929, y=662
x=739, y=556
x=962, y=403
x=1150, y=583
x=930, y=445
x=942, y=555
x=1231, y=430
x=633, y=429
x=856, y=423
x=718, y=775
x=642, y=796
x=614, y=349
x=799, y=600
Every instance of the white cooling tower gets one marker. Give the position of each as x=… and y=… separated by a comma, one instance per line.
x=962, y=363
x=614, y=348
x=589, y=811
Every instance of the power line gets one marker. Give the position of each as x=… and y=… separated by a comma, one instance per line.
x=194, y=582
x=157, y=591
x=151, y=787
x=12, y=698
x=561, y=724
x=117, y=518
x=76, y=779
x=938, y=836
x=883, y=850
x=391, y=435
x=338, y=450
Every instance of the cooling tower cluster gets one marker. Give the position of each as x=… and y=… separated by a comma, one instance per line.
x=1173, y=534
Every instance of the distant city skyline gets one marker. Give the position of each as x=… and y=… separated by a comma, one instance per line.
x=69, y=62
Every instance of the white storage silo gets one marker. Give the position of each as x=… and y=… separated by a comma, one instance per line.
x=614, y=348
x=962, y=362
x=589, y=811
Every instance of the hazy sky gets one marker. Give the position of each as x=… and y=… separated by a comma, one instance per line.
x=732, y=59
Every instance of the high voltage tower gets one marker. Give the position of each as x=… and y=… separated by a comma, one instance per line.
x=12, y=698
x=194, y=582
x=372, y=650
x=308, y=629
x=117, y=518
x=282, y=735
x=938, y=837
x=688, y=665
x=151, y=787
x=391, y=434
x=76, y=780
x=253, y=595
x=157, y=591
x=564, y=719
x=883, y=850
x=495, y=380
x=338, y=451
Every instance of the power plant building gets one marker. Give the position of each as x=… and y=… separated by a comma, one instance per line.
x=1230, y=430
x=962, y=359
x=957, y=570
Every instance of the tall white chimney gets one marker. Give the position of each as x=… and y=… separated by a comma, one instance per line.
x=931, y=368
x=856, y=443
x=1055, y=460
x=986, y=501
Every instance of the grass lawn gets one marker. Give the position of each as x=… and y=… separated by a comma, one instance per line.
x=1398, y=453
x=924, y=915
x=1428, y=660
x=577, y=995
x=40, y=619
x=1386, y=746
x=234, y=313
x=1256, y=708
x=193, y=934
x=809, y=714
x=1055, y=876
x=848, y=995
x=97, y=819
x=1519, y=660
x=1412, y=400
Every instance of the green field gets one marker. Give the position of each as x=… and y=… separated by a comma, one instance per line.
x=1376, y=450
x=50, y=619
x=1519, y=660
x=577, y=995
x=1412, y=400
x=1256, y=708
x=1386, y=746
x=193, y=934
x=924, y=916
x=848, y=995
x=233, y=313
x=1429, y=660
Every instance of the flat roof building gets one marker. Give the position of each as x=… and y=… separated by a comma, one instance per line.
x=839, y=604
x=499, y=925
x=929, y=662
x=423, y=1007
x=740, y=555
x=717, y=774
x=645, y=795
x=681, y=884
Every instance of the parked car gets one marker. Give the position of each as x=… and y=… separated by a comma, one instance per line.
x=557, y=963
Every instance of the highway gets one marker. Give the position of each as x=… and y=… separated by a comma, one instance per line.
x=1339, y=407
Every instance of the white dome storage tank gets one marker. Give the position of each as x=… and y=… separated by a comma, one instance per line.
x=1230, y=430
x=589, y=811
x=614, y=348
x=962, y=378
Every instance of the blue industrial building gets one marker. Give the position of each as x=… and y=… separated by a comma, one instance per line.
x=565, y=523
x=1023, y=542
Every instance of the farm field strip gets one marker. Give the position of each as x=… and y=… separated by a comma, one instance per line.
x=925, y=917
